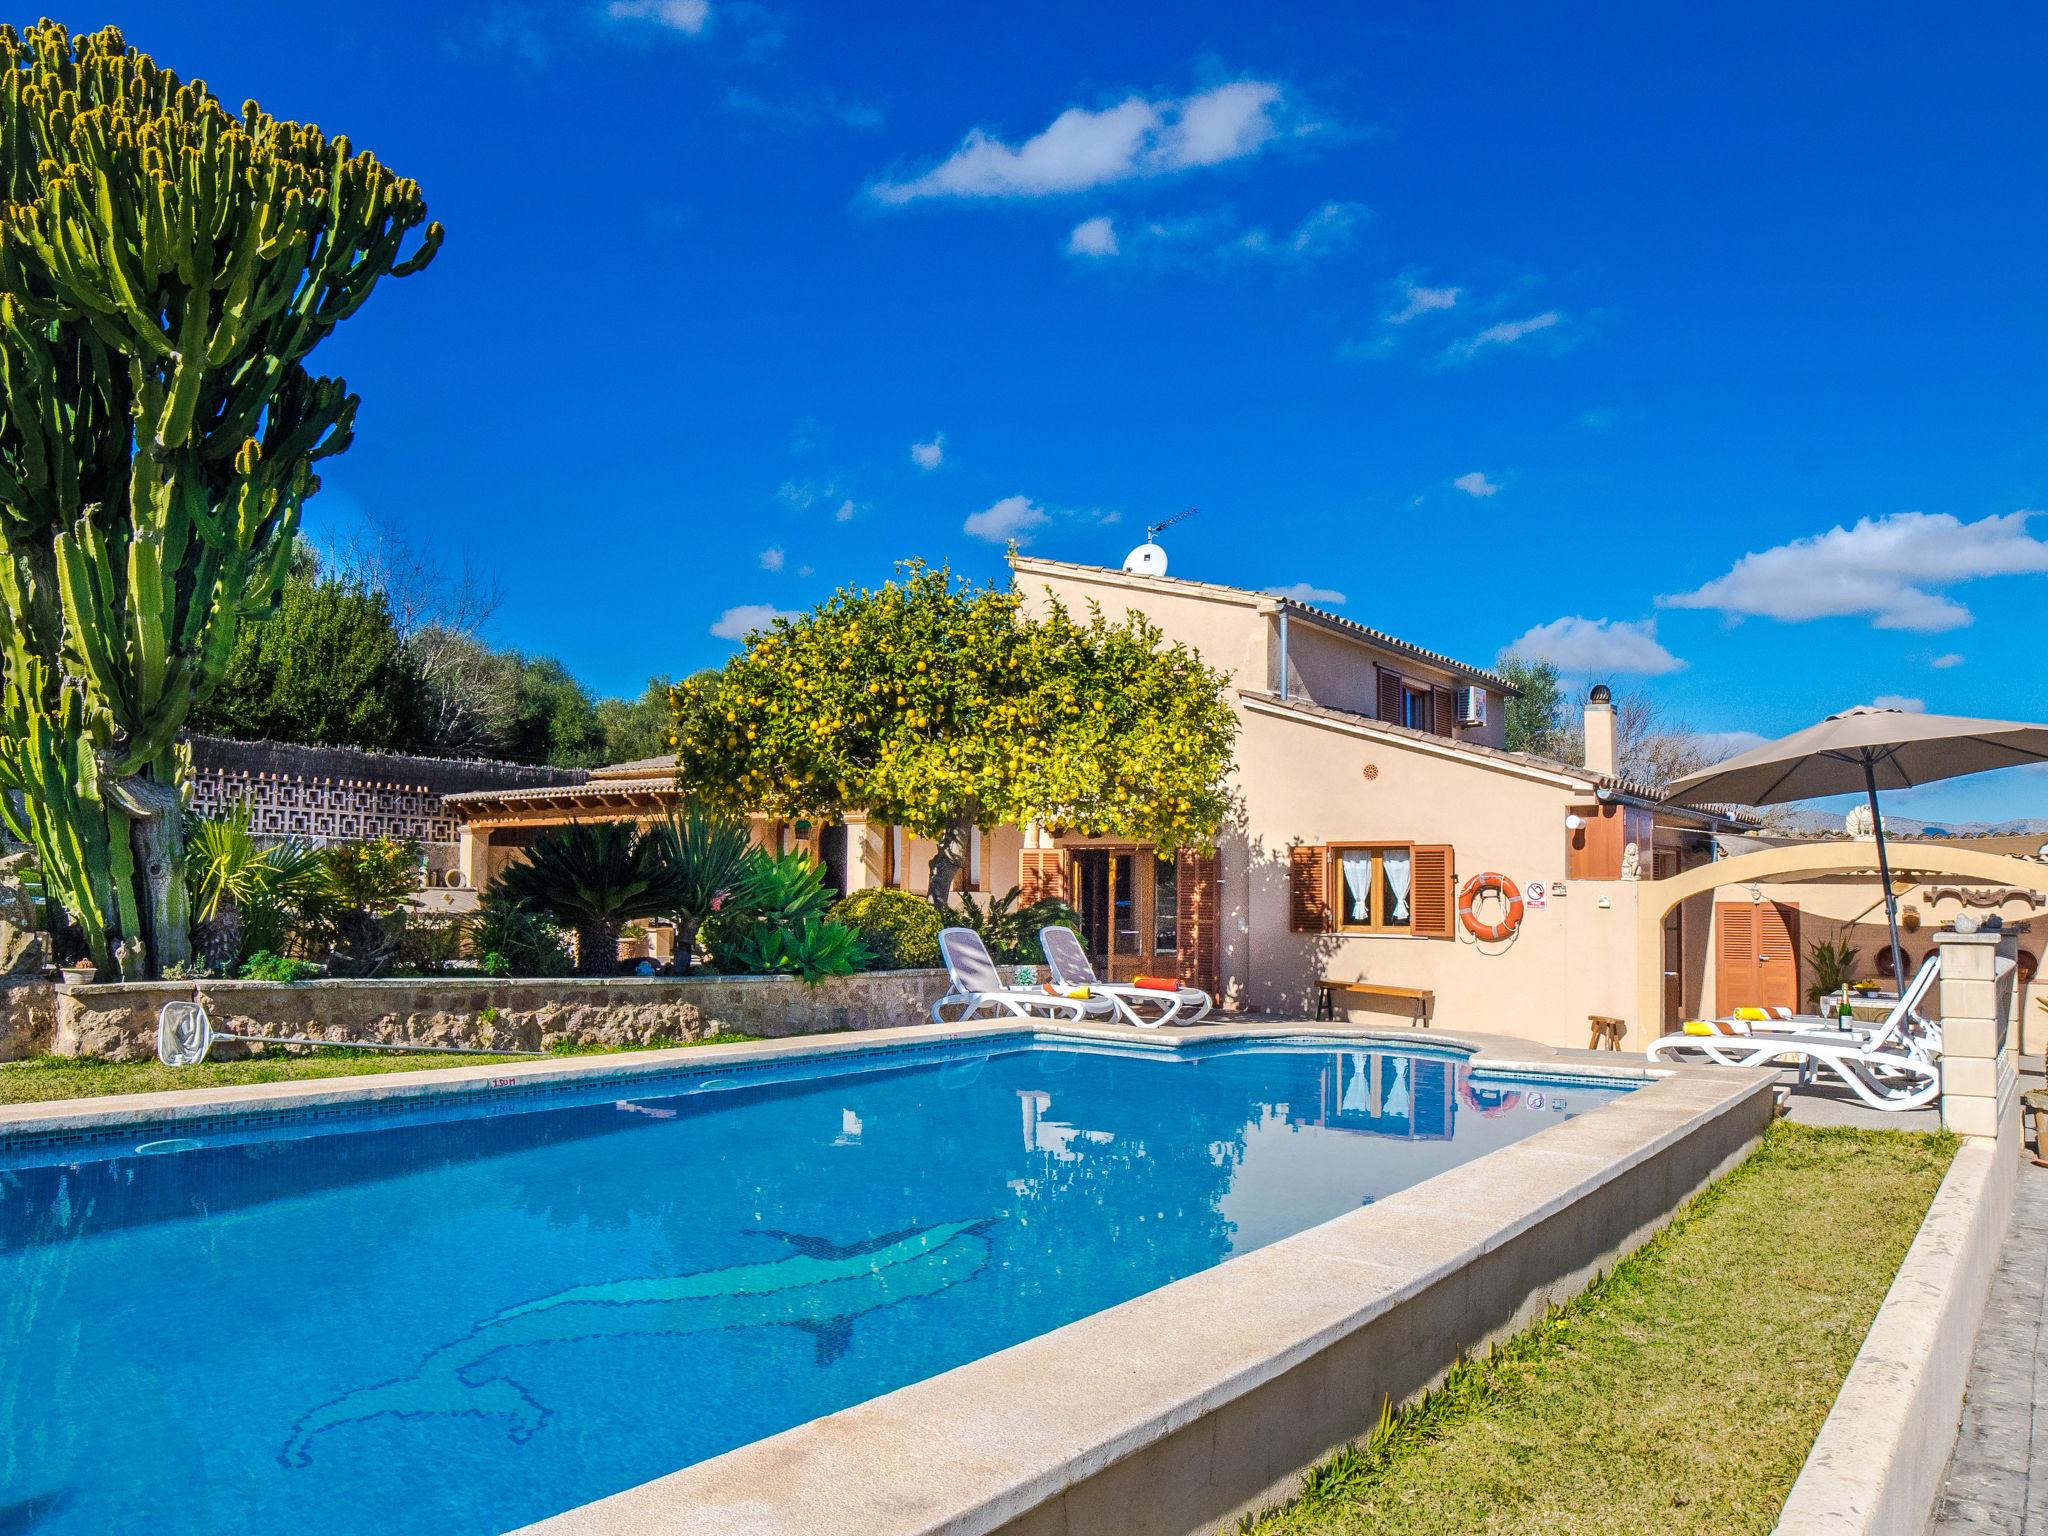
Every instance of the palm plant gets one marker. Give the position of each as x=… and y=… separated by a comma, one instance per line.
x=1832, y=964
x=1011, y=931
x=595, y=878
x=238, y=883
x=706, y=854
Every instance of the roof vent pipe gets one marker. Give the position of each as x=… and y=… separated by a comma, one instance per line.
x=1600, y=731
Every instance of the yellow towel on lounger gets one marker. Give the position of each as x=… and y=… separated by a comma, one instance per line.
x=1753, y=1015
x=1697, y=1027
x=1077, y=994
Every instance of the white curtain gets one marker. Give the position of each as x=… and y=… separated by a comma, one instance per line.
x=1358, y=885
x=1355, y=1100
x=1395, y=862
x=1399, y=1099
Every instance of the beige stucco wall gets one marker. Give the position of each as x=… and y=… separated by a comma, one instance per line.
x=1238, y=633
x=1301, y=780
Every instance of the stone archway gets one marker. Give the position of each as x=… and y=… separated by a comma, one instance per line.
x=1796, y=861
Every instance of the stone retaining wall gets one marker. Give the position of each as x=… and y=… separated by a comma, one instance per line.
x=118, y=1020
x=28, y=1017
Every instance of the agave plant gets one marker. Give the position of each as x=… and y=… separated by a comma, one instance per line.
x=595, y=878
x=707, y=855
x=815, y=948
x=1832, y=965
x=238, y=883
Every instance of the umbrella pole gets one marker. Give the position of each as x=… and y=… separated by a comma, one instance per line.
x=1884, y=873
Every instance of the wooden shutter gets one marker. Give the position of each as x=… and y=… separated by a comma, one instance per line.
x=1777, y=954
x=1199, y=914
x=1308, y=879
x=1736, y=984
x=1390, y=696
x=1039, y=875
x=1432, y=891
x=1443, y=711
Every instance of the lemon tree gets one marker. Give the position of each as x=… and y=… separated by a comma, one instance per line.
x=937, y=706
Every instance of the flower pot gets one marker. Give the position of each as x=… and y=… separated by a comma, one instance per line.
x=79, y=975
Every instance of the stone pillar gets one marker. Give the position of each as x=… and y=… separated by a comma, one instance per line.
x=1979, y=991
x=864, y=854
x=472, y=857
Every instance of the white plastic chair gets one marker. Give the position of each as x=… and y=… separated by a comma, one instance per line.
x=978, y=987
x=1068, y=962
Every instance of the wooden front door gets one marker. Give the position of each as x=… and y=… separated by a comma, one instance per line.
x=1756, y=955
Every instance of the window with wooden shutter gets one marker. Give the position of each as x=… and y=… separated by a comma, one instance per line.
x=1390, y=696
x=1434, y=897
x=1308, y=906
x=1443, y=711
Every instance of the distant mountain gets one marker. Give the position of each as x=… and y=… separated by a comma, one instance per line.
x=1906, y=826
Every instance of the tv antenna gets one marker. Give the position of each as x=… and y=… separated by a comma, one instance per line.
x=1153, y=530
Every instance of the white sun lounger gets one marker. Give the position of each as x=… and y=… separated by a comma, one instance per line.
x=1895, y=1067
x=1068, y=962
x=1906, y=1027
x=978, y=987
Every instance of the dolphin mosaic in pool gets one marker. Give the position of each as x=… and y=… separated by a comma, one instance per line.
x=820, y=1288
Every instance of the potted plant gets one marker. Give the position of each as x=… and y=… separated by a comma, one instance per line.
x=79, y=973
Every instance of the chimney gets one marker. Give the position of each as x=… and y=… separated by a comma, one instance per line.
x=1600, y=731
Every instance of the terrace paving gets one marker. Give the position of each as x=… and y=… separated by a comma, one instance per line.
x=1998, y=1475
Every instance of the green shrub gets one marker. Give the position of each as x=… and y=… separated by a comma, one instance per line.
x=264, y=966
x=515, y=940
x=901, y=927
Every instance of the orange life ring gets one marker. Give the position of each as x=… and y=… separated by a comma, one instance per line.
x=1507, y=891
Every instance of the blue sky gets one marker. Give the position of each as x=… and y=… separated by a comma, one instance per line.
x=1703, y=350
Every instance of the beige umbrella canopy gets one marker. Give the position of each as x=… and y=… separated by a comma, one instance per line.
x=1864, y=750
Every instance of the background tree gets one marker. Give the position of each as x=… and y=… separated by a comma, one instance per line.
x=638, y=728
x=1534, y=716
x=166, y=267
x=329, y=669
x=938, y=707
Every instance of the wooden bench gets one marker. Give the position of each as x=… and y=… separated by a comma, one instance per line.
x=1423, y=999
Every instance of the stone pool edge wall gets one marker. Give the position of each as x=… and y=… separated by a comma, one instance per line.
x=117, y=1020
x=1183, y=1409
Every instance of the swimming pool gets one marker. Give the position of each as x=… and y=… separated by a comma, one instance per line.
x=463, y=1318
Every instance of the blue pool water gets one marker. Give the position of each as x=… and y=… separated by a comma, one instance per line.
x=460, y=1320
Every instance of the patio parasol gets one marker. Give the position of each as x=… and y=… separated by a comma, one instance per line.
x=1865, y=749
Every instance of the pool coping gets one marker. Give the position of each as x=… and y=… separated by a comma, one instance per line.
x=1180, y=1409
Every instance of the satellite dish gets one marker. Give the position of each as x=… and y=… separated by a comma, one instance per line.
x=1148, y=559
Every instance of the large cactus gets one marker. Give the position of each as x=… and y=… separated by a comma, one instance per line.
x=165, y=267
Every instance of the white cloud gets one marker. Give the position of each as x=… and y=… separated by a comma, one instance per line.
x=845, y=511
x=1307, y=592
x=1891, y=569
x=738, y=623
x=1419, y=301
x=1476, y=484
x=1014, y=517
x=1583, y=647
x=1093, y=237
x=1900, y=701
x=1505, y=334
x=798, y=494
x=929, y=455
x=1946, y=660
x=771, y=559
x=1330, y=228
x=688, y=17
x=1080, y=149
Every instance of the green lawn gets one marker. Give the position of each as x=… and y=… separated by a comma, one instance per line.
x=43, y=1078
x=1679, y=1393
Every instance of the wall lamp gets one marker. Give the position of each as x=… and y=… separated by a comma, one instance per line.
x=1574, y=822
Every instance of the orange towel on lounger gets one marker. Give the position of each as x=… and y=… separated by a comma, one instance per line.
x=1155, y=983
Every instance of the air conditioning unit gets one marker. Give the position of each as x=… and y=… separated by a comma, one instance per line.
x=1471, y=706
